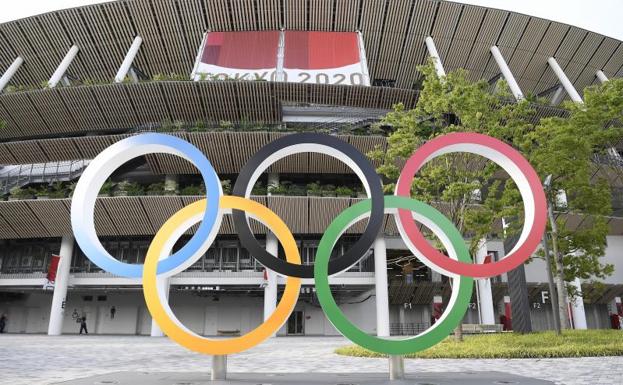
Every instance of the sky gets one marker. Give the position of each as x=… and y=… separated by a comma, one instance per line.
x=601, y=16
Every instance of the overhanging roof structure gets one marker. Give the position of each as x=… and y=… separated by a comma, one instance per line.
x=394, y=33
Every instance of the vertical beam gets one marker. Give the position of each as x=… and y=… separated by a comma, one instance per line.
x=600, y=75
x=194, y=75
x=564, y=80
x=518, y=290
x=432, y=51
x=396, y=363
x=364, y=60
x=382, y=294
x=59, y=299
x=272, y=246
x=280, y=75
x=270, y=291
x=163, y=285
x=219, y=368
x=10, y=72
x=485, y=296
x=129, y=59
x=577, y=307
x=506, y=72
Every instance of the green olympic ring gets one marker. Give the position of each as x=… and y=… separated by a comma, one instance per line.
x=459, y=302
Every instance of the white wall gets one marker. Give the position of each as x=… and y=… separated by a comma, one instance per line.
x=203, y=315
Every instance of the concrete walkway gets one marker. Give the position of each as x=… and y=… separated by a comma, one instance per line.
x=30, y=359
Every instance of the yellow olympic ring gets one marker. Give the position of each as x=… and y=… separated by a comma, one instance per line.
x=184, y=336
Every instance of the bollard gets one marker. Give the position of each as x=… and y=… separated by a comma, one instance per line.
x=219, y=368
x=396, y=368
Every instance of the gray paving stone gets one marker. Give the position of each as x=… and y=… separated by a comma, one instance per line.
x=465, y=378
x=36, y=359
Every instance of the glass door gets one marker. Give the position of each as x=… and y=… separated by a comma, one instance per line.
x=296, y=324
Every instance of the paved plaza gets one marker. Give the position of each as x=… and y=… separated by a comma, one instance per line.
x=35, y=359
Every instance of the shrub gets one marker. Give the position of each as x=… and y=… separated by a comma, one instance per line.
x=573, y=343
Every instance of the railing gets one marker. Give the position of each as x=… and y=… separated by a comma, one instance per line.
x=408, y=329
x=18, y=176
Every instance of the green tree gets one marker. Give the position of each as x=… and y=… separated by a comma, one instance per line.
x=465, y=187
x=562, y=147
x=565, y=148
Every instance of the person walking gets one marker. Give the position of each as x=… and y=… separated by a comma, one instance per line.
x=2, y=323
x=83, y=325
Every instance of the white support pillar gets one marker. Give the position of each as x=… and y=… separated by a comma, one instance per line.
x=129, y=59
x=564, y=80
x=382, y=294
x=600, y=75
x=432, y=51
x=270, y=291
x=272, y=246
x=164, y=285
x=485, y=296
x=577, y=307
x=506, y=72
x=10, y=72
x=59, y=299
x=60, y=72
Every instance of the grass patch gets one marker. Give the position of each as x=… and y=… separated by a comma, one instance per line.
x=573, y=343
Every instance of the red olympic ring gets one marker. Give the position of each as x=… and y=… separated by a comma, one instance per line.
x=520, y=171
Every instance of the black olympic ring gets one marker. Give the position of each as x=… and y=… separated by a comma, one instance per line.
x=273, y=152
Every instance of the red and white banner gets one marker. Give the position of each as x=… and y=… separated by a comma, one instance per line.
x=52, y=269
x=239, y=56
x=324, y=58
x=290, y=56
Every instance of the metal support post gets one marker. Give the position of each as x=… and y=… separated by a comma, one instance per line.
x=10, y=72
x=432, y=51
x=564, y=80
x=600, y=75
x=126, y=66
x=219, y=368
x=506, y=72
x=60, y=72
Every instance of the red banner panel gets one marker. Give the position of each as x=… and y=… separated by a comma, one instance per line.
x=286, y=56
x=53, y=268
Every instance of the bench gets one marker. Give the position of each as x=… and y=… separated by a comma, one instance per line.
x=228, y=332
x=479, y=329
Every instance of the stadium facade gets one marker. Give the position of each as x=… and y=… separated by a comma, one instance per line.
x=230, y=76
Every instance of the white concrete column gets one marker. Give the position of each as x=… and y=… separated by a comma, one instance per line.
x=382, y=294
x=432, y=51
x=270, y=291
x=577, y=307
x=485, y=296
x=164, y=285
x=59, y=299
x=10, y=72
x=506, y=72
x=60, y=72
x=564, y=80
x=272, y=246
x=129, y=59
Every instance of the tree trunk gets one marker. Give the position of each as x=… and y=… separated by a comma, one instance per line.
x=560, y=275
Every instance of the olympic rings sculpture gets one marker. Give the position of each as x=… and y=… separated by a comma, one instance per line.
x=161, y=263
